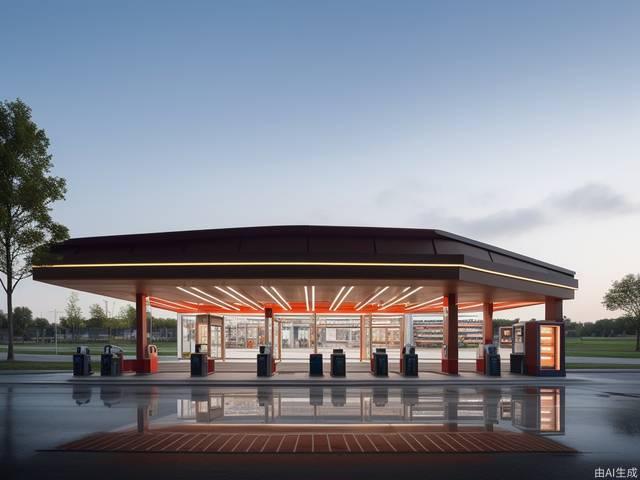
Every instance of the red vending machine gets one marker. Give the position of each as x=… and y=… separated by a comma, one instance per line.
x=544, y=349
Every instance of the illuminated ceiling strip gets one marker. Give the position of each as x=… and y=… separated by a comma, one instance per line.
x=306, y=298
x=313, y=298
x=408, y=294
x=301, y=264
x=273, y=297
x=384, y=304
x=216, y=299
x=337, y=297
x=281, y=297
x=343, y=297
x=470, y=306
x=202, y=298
x=155, y=303
x=250, y=303
x=169, y=303
x=423, y=304
x=375, y=295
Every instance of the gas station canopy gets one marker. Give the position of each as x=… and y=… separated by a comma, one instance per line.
x=299, y=269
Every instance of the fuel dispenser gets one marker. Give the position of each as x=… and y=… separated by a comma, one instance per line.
x=338, y=363
x=380, y=363
x=265, y=361
x=315, y=365
x=82, y=362
x=491, y=361
x=111, y=361
x=409, y=361
x=201, y=364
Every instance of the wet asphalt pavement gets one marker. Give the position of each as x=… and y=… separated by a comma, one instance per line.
x=599, y=419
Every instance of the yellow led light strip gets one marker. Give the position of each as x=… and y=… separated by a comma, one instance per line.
x=301, y=264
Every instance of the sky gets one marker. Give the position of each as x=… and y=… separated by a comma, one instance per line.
x=513, y=123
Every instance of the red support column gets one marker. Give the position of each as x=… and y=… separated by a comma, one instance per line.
x=450, y=334
x=553, y=309
x=141, y=331
x=487, y=332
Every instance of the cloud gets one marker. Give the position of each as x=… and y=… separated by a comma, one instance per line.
x=586, y=202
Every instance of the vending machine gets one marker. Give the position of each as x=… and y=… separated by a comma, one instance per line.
x=544, y=349
x=506, y=337
x=539, y=410
x=517, y=358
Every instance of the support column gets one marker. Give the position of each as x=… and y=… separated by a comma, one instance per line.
x=553, y=309
x=315, y=333
x=179, y=334
x=268, y=320
x=487, y=334
x=450, y=334
x=141, y=327
x=408, y=329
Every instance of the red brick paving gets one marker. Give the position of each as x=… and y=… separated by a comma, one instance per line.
x=339, y=441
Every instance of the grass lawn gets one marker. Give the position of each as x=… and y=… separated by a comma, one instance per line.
x=66, y=349
x=579, y=366
x=66, y=366
x=622, y=347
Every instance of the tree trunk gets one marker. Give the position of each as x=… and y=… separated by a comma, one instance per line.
x=638, y=336
x=10, y=356
x=9, y=288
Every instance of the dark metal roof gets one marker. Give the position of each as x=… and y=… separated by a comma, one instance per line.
x=293, y=242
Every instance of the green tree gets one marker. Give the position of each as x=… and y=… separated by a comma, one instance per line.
x=97, y=317
x=41, y=323
x=73, y=318
x=127, y=317
x=27, y=191
x=22, y=319
x=624, y=294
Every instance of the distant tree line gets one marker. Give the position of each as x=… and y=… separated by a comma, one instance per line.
x=75, y=321
x=605, y=327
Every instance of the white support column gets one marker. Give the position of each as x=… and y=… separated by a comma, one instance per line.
x=179, y=334
x=315, y=333
x=408, y=329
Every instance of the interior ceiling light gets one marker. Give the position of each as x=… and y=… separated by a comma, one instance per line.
x=157, y=304
x=424, y=304
x=306, y=298
x=343, y=297
x=337, y=297
x=240, y=297
x=313, y=298
x=392, y=299
x=281, y=298
x=408, y=294
x=268, y=292
x=375, y=295
x=215, y=299
x=169, y=303
x=203, y=298
x=469, y=306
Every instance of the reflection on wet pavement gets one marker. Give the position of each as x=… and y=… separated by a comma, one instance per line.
x=432, y=420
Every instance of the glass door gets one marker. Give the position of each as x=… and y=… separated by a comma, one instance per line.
x=339, y=332
x=385, y=333
x=296, y=336
x=216, y=337
x=202, y=334
x=188, y=335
